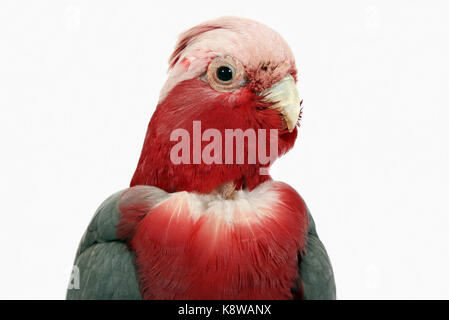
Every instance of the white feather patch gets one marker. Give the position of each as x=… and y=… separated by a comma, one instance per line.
x=244, y=207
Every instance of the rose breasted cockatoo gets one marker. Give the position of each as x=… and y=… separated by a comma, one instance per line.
x=211, y=229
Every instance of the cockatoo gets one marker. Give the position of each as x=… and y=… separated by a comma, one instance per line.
x=204, y=219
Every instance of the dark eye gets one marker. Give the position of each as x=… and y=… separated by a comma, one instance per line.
x=224, y=73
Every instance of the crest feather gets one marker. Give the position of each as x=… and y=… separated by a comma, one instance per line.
x=186, y=38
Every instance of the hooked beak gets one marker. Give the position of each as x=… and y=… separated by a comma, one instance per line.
x=285, y=97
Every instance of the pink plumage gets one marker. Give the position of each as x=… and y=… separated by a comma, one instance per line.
x=186, y=98
x=191, y=246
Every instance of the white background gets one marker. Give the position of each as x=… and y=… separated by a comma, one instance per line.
x=79, y=81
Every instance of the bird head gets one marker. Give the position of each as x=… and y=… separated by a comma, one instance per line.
x=225, y=74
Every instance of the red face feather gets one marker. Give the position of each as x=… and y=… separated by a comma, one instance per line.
x=194, y=100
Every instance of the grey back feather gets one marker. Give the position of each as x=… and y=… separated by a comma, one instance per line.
x=104, y=265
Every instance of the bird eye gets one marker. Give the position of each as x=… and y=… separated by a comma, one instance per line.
x=225, y=74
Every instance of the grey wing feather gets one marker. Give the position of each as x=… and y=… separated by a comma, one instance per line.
x=104, y=267
x=315, y=269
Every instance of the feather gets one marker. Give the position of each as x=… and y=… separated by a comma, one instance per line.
x=246, y=246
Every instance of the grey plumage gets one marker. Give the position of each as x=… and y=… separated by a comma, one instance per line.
x=106, y=266
x=316, y=269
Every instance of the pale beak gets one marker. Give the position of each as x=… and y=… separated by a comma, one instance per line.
x=285, y=97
